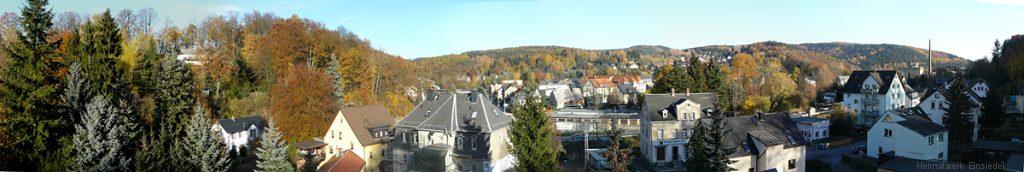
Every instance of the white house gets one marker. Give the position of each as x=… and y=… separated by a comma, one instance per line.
x=870, y=93
x=666, y=122
x=239, y=132
x=907, y=133
x=980, y=88
x=765, y=142
x=813, y=129
x=935, y=101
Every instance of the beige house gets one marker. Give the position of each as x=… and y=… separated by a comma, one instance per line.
x=364, y=131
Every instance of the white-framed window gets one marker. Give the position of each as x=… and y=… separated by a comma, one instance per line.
x=458, y=142
x=888, y=133
x=472, y=142
x=931, y=140
x=661, y=134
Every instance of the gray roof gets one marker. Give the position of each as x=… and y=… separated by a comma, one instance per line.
x=768, y=130
x=654, y=103
x=460, y=111
x=917, y=120
x=884, y=78
x=808, y=119
x=235, y=125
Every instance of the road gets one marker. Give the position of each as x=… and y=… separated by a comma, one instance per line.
x=834, y=155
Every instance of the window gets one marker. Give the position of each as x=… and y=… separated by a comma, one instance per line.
x=675, y=153
x=879, y=150
x=472, y=141
x=404, y=139
x=933, y=105
x=458, y=142
x=661, y=134
x=940, y=137
x=855, y=101
x=931, y=140
x=888, y=133
x=792, y=163
x=940, y=155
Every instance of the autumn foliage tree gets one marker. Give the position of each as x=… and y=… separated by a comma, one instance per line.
x=302, y=102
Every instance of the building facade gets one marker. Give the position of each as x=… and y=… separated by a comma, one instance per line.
x=239, y=133
x=907, y=133
x=666, y=123
x=766, y=142
x=458, y=131
x=363, y=131
x=813, y=129
x=870, y=93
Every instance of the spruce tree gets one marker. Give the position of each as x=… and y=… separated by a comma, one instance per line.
x=994, y=114
x=697, y=149
x=101, y=137
x=174, y=98
x=958, y=117
x=718, y=152
x=76, y=93
x=204, y=149
x=273, y=154
x=618, y=155
x=339, y=85
x=30, y=93
x=532, y=137
x=716, y=82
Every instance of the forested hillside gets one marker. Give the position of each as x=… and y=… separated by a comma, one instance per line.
x=821, y=61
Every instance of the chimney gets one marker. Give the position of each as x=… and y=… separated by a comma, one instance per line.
x=673, y=91
x=687, y=91
x=929, y=57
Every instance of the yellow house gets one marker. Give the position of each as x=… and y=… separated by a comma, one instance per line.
x=364, y=131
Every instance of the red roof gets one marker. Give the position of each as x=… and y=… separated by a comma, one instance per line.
x=347, y=162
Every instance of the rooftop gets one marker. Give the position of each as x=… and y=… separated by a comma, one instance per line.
x=458, y=111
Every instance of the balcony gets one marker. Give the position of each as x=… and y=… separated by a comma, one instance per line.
x=869, y=90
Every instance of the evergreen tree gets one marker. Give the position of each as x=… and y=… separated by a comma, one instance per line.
x=718, y=152
x=697, y=149
x=273, y=154
x=102, y=135
x=97, y=45
x=716, y=83
x=203, y=147
x=339, y=85
x=174, y=96
x=993, y=114
x=618, y=155
x=30, y=93
x=958, y=117
x=532, y=137
x=77, y=93
x=707, y=150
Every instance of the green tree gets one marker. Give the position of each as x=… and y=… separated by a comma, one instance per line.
x=32, y=126
x=532, y=137
x=716, y=82
x=103, y=136
x=958, y=116
x=707, y=149
x=993, y=112
x=618, y=154
x=718, y=152
x=338, y=81
x=204, y=150
x=174, y=98
x=273, y=153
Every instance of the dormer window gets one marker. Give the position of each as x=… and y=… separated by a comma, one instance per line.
x=664, y=113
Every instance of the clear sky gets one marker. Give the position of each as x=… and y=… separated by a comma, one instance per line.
x=423, y=28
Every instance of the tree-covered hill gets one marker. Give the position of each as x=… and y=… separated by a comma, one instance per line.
x=822, y=61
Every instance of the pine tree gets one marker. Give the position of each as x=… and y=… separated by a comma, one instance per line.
x=707, y=150
x=203, y=147
x=958, y=117
x=994, y=114
x=30, y=93
x=718, y=152
x=273, y=154
x=532, y=137
x=716, y=82
x=101, y=136
x=339, y=85
x=697, y=149
x=77, y=93
x=618, y=156
x=174, y=98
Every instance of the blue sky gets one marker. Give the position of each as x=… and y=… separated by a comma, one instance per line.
x=423, y=28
